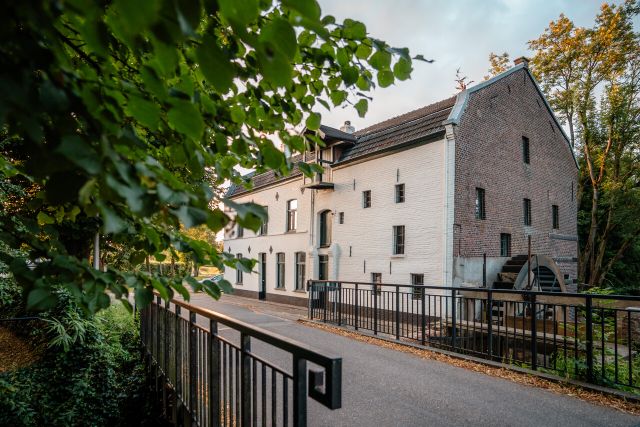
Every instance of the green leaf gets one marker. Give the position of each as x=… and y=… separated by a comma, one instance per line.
x=402, y=69
x=349, y=75
x=186, y=119
x=240, y=13
x=281, y=35
x=44, y=219
x=146, y=112
x=361, y=107
x=385, y=78
x=353, y=30
x=190, y=216
x=215, y=65
x=112, y=223
x=274, y=65
x=363, y=51
x=40, y=299
x=273, y=157
x=422, y=58
x=225, y=286
x=307, y=8
x=237, y=114
x=338, y=97
x=80, y=153
x=136, y=15
x=188, y=12
x=313, y=121
x=144, y=296
x=248, y=215
x=381, y=60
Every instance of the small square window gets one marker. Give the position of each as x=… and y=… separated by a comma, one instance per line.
x=399, y=193
x=525, y=150
x=366, y=199
x=341, y=217
x=555, y=214
x=480, y=204
x=417, y=280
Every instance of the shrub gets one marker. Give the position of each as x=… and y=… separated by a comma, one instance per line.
x=93, y=377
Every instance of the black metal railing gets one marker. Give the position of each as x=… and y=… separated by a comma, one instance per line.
x=208, y=379
x=594, y=338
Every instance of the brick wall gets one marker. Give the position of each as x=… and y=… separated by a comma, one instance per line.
x=489, y=155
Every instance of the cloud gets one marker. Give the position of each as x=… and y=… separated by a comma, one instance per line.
x=456, y=34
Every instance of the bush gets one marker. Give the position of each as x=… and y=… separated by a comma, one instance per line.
x=99, y=381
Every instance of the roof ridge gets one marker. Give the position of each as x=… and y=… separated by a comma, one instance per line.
x=391, y=122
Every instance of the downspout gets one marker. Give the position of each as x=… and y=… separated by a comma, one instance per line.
x=449, y=190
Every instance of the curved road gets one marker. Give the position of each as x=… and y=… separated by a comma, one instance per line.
x=383, y=387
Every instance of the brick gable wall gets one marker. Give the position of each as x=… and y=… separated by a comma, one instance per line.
x=488, y=154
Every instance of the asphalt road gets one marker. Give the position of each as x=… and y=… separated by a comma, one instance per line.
x=383, y=387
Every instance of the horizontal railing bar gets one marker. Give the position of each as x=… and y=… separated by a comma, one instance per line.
x=494, y=291
x=298, y=348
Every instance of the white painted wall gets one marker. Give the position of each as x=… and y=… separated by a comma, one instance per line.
x=366, y=235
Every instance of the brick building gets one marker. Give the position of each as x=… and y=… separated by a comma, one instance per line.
x=422, y=198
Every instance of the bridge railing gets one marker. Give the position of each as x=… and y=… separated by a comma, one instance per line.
x=209, y=373
x=595, y=338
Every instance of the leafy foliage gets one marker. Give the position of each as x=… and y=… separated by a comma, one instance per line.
x=592, y=79
x=103, y=372
x=118, y=117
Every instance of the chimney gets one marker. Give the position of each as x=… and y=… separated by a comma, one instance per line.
x=347, y=128
x=521, y=60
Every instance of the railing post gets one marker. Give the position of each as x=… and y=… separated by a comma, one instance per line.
x=299, y=391
x=339, y=303
x=490, y=323
x=325, y=300
x=397, y=312
x=245, y=375
x=193, y=360
x=214, y=374
x=311, y=288
x=534, y=332
x=357, y=308
x=589, y=337
x=453, y=318
x=178, y=362
x=375, y=310
x=424, y=317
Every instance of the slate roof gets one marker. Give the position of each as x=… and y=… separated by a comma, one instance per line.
x=389, y=134
x=409, y=127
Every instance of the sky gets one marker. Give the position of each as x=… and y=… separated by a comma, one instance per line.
x=456, y=34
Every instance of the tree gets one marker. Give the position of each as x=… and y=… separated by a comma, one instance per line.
x=498, y=64
x=461, y=81
x=575, y=66
x=112, y=113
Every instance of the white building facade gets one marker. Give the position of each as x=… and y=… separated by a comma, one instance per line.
x=383, y=211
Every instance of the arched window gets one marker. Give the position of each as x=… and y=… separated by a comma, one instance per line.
x=326, y=218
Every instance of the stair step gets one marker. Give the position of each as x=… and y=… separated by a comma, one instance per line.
x=524, y=257
x=519, y=262
x=511, y=268
x=502, y=285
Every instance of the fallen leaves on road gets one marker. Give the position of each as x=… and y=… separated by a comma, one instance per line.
x=517, y=377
